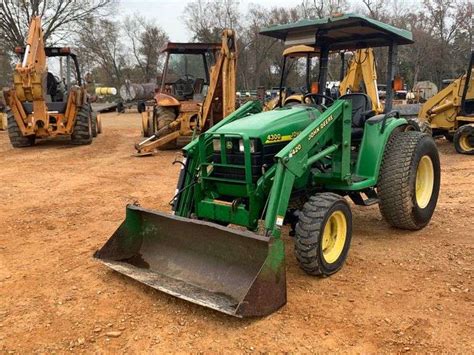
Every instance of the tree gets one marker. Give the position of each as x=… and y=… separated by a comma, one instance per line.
x=322, y=8
x=5, y=65
x=100, y=45
x=206, y=19
x=59, y=17
x=262, y=55
x=146, y=39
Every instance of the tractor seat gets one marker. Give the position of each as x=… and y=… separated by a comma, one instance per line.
x=361, y=112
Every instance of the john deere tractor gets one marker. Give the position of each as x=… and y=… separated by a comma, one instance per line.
x=298, y=165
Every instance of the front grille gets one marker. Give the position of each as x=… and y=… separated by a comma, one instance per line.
x=263, y=157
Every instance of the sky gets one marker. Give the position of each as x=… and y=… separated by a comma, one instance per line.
x=168, y=13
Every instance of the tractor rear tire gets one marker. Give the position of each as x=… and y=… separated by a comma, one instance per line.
x=323, y=234
x=17, y=139
x=164, y=116
x=409, y=180
x=464, y=139
x=82, y=134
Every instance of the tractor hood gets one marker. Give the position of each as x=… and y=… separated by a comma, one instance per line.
x=282, y=124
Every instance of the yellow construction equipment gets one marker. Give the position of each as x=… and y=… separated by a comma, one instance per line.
x=191, y=97
x=451, y=112
x=362, y=70
x=41, y=105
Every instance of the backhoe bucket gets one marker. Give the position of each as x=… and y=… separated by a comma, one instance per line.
x=235, y=272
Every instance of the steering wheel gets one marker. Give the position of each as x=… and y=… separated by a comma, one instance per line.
x=318, y=99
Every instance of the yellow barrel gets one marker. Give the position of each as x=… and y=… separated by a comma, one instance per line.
x=102, y=91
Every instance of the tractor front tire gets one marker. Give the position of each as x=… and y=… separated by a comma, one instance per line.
x=409, y=180
x=464, y=139
x=83, y=133
x=323, y=234
x=17, y=139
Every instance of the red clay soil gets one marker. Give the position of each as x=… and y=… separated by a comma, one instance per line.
x=399, y=291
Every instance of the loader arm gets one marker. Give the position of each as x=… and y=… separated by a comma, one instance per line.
x=329, y=134
x=362, y=68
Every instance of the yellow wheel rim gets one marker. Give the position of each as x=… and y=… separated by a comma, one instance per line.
x=424, y=181
x=464, y=143
x=334, y=236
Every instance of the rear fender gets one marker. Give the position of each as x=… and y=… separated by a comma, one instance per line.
x=166, y=100
x=373, y=145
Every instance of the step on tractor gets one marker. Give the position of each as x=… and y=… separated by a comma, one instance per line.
x=450, y=112
x=41, y=105
x=299, y=165
x=197, y=90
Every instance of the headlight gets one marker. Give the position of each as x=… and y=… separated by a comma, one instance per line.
x=252, y=146
x=216, y=145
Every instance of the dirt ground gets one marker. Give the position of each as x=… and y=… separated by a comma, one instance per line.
x=399, y=291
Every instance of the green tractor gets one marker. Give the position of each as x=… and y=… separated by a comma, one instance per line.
x=254, y=172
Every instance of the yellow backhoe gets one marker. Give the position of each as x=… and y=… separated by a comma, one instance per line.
x=451, y=112
x=191, y=98
x=362, y=70
x=41, y=105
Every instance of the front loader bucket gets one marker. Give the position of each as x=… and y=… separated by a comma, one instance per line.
x=235, y=272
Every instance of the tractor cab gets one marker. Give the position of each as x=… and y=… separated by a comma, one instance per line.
x=186, y=69
x=316, y=41
x=319, y=40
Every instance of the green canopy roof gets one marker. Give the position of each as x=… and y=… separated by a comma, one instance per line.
x=349, y=31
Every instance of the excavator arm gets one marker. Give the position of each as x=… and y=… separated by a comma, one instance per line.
x=223, y=73
x=362, y=68
x=30, y=75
